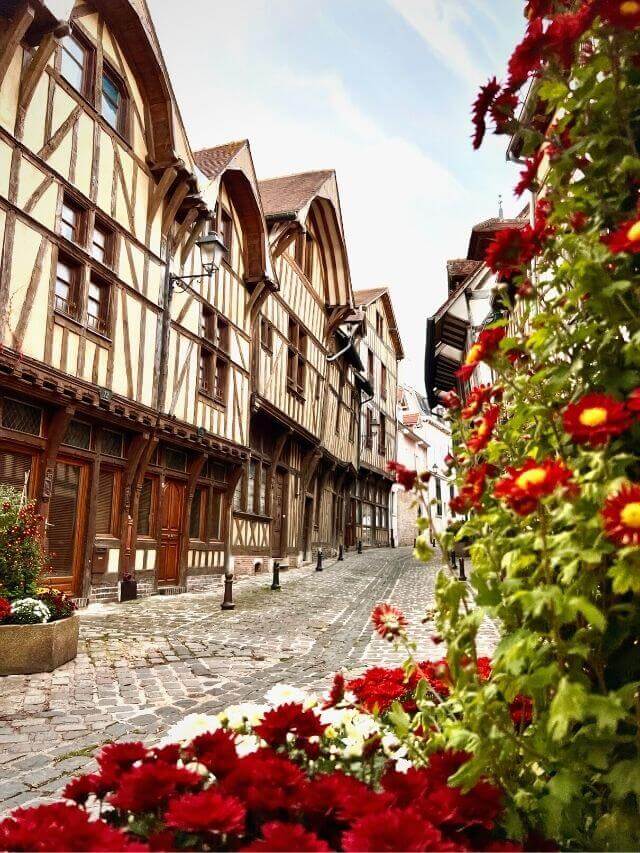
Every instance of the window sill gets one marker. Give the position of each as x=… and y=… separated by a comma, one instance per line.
x=211, y=400
x=299, y=395
x=254, y=516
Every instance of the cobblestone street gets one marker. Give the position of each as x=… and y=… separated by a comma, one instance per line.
x=143, y=665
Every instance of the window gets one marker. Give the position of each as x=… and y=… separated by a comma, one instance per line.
x=368, y=428
x=383, y=381
x=102, y=244
x=114, y=102
x=296, y=358
x=238, y=495
x=112, y=443
x=370, y=369
x=214, y=328
x=266, y=334
x=256, y=488
x=213, y=375
x=98, y=306
x=198, y=517
x=339, y=403
x=175, y=459
x=71, y=221
x=352, y=415
x=21, y=417
x=226, y=230
x=78, y=435
x=76, y=64
x=220, y=380
x=309, y=255
x=66, y=291
x=146, y=507
x=382, y=435
x=217, y=504
x=379, y=324
x=106, y=503
x=438, y=497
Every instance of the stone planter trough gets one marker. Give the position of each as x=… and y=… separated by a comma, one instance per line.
x=26, y=649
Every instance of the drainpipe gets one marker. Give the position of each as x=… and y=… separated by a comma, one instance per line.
x=337, y=355
x=163, y=348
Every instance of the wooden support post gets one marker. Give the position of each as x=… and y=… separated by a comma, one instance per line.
x=196, y=232
x=18, y=26
x=173, y=205
x=195, y=467
x=227, y=603
x=35, y=70
x=57, y=429
x=159, y=192
x=128, y=563
x=134, y=456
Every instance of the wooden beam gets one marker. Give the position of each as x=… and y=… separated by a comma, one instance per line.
x=196, y=465
x=187, y=222
x=275, y=459
x=18, y=26
x=134, y=478
x=179, y=195
x=160, y=191
x=35, y=69
x=234, y=479
x=56, y=432
x=196, y=231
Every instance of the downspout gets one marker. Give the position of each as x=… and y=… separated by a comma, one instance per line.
x=350, y=342
x=163, y=350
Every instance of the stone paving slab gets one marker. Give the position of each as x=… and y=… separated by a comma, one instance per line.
x=143, y=665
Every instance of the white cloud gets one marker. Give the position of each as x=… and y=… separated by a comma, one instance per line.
x=438, y=22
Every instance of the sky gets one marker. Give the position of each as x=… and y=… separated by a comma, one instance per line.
x=380, y=91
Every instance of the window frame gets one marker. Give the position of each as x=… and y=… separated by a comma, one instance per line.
x=71, y=203
x=121, y=126
x=384, y=380
x=104, y=321
x=266, y=334
x=225, y=230
x=152, y=535
x=75, y=286
x=116, y=499
x=209, y=384
x=88, y=68
x=99, y=224
x=382, y=434
x=203, y=513
x=297, y=345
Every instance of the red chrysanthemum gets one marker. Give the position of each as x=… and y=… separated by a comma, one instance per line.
x=287, y=719
x=286, y=837
x=332, y=800
x=483, y=431
x=81, y=788
x=388, y=621
x=453, y=811
x=336, y=693
x=527, y=58
x=478, y=398
x=621, y=514
x=481, y=107
x=521, y=710
x=512, y=248
x=503, y=111
x=626, y=238
x=266, y=783
x=484, y=348
x=145, y=788
x=578, y=220
x=404, y=476
x=216, y=751
x=620, y=13
x=529, y=174
x=484, y=668
x=5, y=609
x=379, y=688
x=394, y=829
x=473, y=488
x=565, y=33
x=523, y=488
x=207, y=811
x=60, y=826
x=596, y=418
x=633, y=401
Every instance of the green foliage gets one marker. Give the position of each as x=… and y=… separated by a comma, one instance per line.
x=21, y=558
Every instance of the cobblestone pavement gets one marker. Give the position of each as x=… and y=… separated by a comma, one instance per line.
x=144, y=664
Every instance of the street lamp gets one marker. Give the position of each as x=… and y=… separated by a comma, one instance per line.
x=212, y=250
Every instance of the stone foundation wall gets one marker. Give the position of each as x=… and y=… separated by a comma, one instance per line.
x=407, y=519
x=251, y=565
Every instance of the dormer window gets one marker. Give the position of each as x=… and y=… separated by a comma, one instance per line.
x=114, y=101
x=76, y=64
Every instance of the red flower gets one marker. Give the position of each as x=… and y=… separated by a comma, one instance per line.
x=565, y=32
x=287, y=719
x=513, y=248
x=477, y=398
x=578, y=220
x=484, y=348
x=265, y=782
x=80, y=789
x=483, y=431
x=206, y=811
x=528, y=55
x=503, y=111
x=449, y=399
x=450, y=809
x=388, y=620
x=621, y=515
x=145, y=788
x=5, y=609
x=216, y=751
x=633, y=401
x=394, y=829
x=60, y=826
x=380, y=688
x=596, y=418
x=521, y=710
x=404, y=476
x=620, y=13
x=625, y=239
x=336, y=694
x=483, y=668
x=522, y=488
x=529, y=174
x=286, y=837
x=481, y=107
x=472, y=490
x=332, y=800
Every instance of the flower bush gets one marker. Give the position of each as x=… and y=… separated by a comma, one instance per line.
x=29, y=611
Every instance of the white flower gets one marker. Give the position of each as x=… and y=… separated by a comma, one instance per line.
x=362, y=725
x=30, y=611
x=190, y=727
x=353, y=747
x=246, y=713
x=281, y=694
x=337, y=717
x=246, y=744
x=403, y=764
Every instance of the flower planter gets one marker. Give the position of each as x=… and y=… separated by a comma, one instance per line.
x=128, y=590
x=26, y=649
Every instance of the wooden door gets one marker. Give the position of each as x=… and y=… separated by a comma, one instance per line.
x=306, y=530
x=171, y=514
x=350, y=529
x=66, y=525
x=277, y=512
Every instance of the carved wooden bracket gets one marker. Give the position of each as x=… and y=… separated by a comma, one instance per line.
x=18, y=26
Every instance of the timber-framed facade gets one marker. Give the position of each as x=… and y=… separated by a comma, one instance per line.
x=167, y=428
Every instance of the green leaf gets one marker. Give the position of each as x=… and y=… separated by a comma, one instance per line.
x=569, y=705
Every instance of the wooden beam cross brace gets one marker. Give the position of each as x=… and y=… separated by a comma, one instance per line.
x=18, y=26
x=160, y=191
x=179, y=195
x=35, y=69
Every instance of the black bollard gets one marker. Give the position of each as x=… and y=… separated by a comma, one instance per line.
x=359, y=546
x=319, y=563
x=340, y=553
x=462, y=575
x=227, y=601
x=276, y=576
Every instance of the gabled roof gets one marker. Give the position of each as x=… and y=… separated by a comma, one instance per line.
x=284, y=197
x=365, y=298
x=483, y=234
x=213, y=161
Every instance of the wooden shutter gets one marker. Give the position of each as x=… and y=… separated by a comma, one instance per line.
x=144, y=508
x=62, y=518
x=196, y=510
x=104, y=502
x=15, y=468
x=216, y=514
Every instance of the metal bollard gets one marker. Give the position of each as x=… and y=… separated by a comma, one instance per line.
x=227, y=601
x=319, y=563
x=462, y=575
x=359, y=546
x=340, y=553
x=276, y=576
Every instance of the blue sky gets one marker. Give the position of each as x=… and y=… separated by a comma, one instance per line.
x=380, y=90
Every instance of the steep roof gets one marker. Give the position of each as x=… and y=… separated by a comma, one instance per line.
x=365, y=298
x=287, y=195
x=213, y=161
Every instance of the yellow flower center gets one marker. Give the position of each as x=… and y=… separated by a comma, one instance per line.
x=634, y=232
x=593, y=417
x=475, y=352
x=532, y=477
x=630, y=515
x=630, y=7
